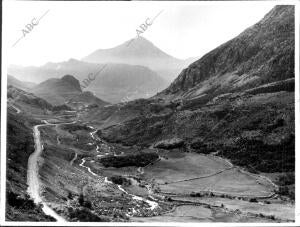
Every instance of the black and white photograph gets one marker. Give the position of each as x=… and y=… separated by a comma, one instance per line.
x=177, y=113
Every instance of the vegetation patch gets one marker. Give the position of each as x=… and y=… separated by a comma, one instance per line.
x=256, y=155
x=120, y=180
x=138, y=160
x=170, y=143
x=84, y=215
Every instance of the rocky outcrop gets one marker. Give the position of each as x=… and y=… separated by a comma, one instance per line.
x=23, y=98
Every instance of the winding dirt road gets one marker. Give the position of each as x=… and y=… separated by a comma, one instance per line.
x=33, y=176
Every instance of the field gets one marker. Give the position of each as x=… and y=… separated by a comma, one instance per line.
x=189, y=213
x=185, y=213
x=176, y=166
x=184, y=173
x=276, y=208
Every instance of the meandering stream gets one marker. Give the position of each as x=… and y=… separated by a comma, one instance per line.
x=152, y=204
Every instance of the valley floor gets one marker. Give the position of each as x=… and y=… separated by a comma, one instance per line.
x=176, y=187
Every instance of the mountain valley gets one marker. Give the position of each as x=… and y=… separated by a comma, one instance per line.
x=216, y=145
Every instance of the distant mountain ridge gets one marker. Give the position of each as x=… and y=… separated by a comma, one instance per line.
x=11, y=80
x=134, y=69
x=114, y=83
x=142, y=52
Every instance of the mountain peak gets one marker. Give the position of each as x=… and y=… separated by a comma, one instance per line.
x=73, y=60
x=138, y=42
x=137, y=51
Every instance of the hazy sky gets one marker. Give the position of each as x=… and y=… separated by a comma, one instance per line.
x=75, y=29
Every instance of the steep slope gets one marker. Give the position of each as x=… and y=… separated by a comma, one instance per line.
x=23, y=101
x=20, y=144
x=261, y=54
x=140, y=51
x=133, y=81
x=62, y=91
x=86, y=98
x=11, y=80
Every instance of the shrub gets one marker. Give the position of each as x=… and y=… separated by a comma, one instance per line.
x=84, y=215
x=259, y=156
x=70, y=196
x=81, y=199
x=193, y=194
x=286, y=179
x=253, y=200
x=16, y=201
x=120, y=180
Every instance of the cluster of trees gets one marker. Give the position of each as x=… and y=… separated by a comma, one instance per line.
x=16, y=201
x=286, y=184
x=200, y=147
x=28, y=210
x=41, y=103
x=83, y=214
x=286, y=179
x=259, y=156
x=84, y=211
x=61, y=107
x=84, y=202
x=120, y=180
x=75, y=127
x=201, y=194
